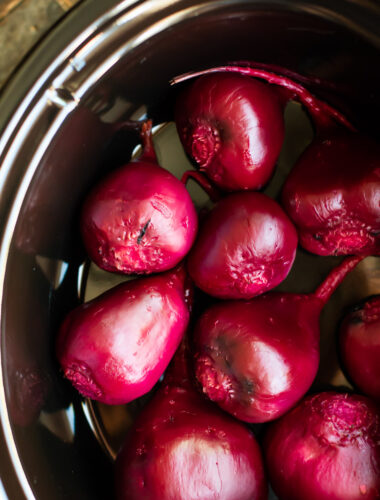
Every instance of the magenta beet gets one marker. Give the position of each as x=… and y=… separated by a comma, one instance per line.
x=139, y=219
x=114, y=348
x=333, y=195
x=246, y=246
x=257, y=358
x=327, y=448
x=182, y=447
x=233, y=128
x=231, y=123
x=359, y=338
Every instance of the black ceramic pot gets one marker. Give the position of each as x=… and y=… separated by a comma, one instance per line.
x=108, y=61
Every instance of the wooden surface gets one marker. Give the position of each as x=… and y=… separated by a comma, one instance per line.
x=22, y=24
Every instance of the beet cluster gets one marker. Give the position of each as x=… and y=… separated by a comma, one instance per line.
x=252, y=354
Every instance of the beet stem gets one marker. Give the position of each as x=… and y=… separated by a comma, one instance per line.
x=147, y=142
x=316, y=107
x=202, y=181
x=335, y=278
x=178, y=373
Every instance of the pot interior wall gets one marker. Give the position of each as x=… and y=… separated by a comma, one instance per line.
x=56, y=445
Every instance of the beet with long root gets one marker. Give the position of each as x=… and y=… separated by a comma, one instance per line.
x=257, y=358
x=230, y=120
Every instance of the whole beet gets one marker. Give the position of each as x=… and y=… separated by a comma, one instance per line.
x=140, y=219
x=245, y=246
x=333, y=195
x=359, y=340
x=233, y=128
x=230, y=120
x=115, y=348
x=257, y=358
x=182, y=447
x=327, y=448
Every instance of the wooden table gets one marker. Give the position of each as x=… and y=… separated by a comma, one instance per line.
x=22, y=24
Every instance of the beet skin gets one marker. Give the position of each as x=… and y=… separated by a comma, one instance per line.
x=115, y=348
x=327, y=448
x=140, y=218
x=333, y=195
x=183, y=447
x=233, y=128
x=360, y=346
x=246, y=245
x=257, y=358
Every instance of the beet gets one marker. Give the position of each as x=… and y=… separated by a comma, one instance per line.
x=230, y=121
x=327, y=448
x=139, y=219
x=233, y=128
x=257, y=358
x=246, y=245
x=114, y=348
x=360, y=346
x=333, y=195
x=182, y=447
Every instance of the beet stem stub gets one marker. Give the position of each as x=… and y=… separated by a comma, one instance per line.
x=322, y=113
x=143, y=231
x=335, y=278
x=202, y=181
x=147, y=142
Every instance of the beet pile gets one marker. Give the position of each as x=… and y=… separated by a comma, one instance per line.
x=232, y=351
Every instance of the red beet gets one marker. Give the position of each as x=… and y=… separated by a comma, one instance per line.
x=246, y=246
x=360, y=346
x=114, y=348
x=139, y=219
x=183, y=447
x=257, y=358
x=233, y=127
x=333, y=195
x=327, y=448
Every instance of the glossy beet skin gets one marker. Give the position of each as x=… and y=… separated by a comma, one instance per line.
x=333, y=195
x=114, y=348
x=359, y=339
x=233, y=128
x=230, y=121
x=245, y=246
x=139, y=219
x=257, y=358
x=327, y=448
x=183, y=447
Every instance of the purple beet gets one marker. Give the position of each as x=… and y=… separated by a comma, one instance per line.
x=182, y=447
x=333, y=195
x=359, y=339
x=230, y=121
x=233, y=127
x=115, y=348
x=257, y=358
x=139, y=219
x=246, y=246
x=327, y=448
